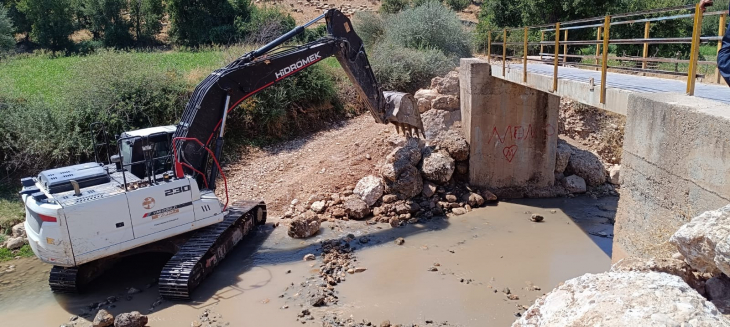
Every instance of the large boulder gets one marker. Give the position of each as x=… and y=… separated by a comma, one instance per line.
x=14, y=243
x=103, y=319
x=407, y=185
x=718, y=291
x=423, y=105
x=698, y=241
x=409, y=153
x=426, y=94
x=670, y=266
x=369, y=189
x=356, y=208
x=562, y=157
x=19, y=230
x=446, y=102
x=574, y=184
x=587, y=165
x=304, y=226
x=623, y=299
x=132, y=319
x=455, y=144
x=437, y=121
x=449, y=84
x=437, y=166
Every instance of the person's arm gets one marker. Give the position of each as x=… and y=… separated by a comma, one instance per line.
x=705, y=3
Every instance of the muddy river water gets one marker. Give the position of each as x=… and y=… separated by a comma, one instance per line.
x=477, y=256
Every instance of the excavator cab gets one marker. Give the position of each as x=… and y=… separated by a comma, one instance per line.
x=145, y=152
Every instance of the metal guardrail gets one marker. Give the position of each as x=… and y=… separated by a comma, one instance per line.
x=603, y=40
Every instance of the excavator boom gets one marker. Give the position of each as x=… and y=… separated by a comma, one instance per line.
x=224, y=89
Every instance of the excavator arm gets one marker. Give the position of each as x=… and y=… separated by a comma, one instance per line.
x=223, y=90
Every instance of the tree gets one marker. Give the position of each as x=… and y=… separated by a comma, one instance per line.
x=104, y=20
x=51, y=22
x=196, y=22
x=146, y=17
x=20, y=21
x=7, y=41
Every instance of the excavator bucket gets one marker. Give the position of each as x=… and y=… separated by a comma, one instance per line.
x=402, y=111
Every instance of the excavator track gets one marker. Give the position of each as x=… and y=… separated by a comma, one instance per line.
x=63, y=279
x=200, y=254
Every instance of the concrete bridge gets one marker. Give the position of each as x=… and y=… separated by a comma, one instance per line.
x=676, y=150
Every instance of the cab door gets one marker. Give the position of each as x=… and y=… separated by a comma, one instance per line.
x=159, y=209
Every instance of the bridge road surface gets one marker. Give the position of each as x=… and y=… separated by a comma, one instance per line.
x=631, y=83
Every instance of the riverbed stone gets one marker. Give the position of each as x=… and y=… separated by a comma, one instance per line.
x=369, y=189
x=437, y=166
x=408, y=184
x=623, y=299
x=103, y=319
x=574, y=184
x=588, y=166
x=356, y=208
x=614, y=173
x=14, y=243
x=304, y=226
x=697, y=240
x=19, y=230
x=562, y=156
x=318, y=206
x=131, y=319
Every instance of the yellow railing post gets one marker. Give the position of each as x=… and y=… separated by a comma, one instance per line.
x=604, y=60
x=489, y=47
x=598, y=46
x=557, y=52
x=647, y=26
x=721, y=33
x=504, y=54
x=542, y=47
x=565, y=48
x=524, y=60
x=694, y=51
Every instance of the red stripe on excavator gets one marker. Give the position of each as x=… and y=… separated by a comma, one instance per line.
x=256, y=91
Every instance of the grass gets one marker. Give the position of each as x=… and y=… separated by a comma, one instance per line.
x=23, y=252
x=40, y=77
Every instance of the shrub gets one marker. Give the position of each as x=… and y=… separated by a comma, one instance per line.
x=458, y=5
x=264, y=25
x=393, y=6
x=369, y=26
x=429, y=26
x=197, y=22
x=405, y=69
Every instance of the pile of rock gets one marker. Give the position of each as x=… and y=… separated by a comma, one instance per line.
x=132, y=319
x=18, y=238
x=439, y=105
x=578, y=170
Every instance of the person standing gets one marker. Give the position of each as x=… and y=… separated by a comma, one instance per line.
x=723, y=56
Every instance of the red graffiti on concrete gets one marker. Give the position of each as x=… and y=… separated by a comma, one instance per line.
x=509, y=152
x=518, y=133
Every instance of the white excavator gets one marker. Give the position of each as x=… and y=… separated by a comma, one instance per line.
x=158, y=192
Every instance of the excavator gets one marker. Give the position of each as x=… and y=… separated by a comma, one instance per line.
x=158, y=193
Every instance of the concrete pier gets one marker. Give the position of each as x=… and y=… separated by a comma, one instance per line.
x=512, y=129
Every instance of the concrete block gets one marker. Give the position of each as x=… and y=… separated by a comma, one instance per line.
x=511, y=129
x=675, y=165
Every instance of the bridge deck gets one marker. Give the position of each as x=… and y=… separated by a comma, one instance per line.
x=631, y=83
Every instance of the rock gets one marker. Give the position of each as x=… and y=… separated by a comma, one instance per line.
x=718, y=288
x=437, y=121
x=536, y=218
x=475, y=200
x=562, y=156
x=588, y=166
x=574, y=184
x=408, y=184
x=445, y=102
x=437, y=167
x=722, y=255
x=103, y=319
x=674, y=267
x=19, y=230
x=614, y=173
x=304, y=226
x=309, y=257
x=409, y=153
x=14, y=243
x=339, y=212
x=451, y=198
x=385, y=323
x=489, y=196
x=426, y=94
x=390, y=198
x=513, y=297
x=623, y=299
x=429, y=189
x=317, y=301
x=132, y=319
x=360, y=269
x=400, y=241
x=133, y=290
x=455, y=144
x=318, y=206
x=698, y=240
x=506, y=290
x=369, y=189
x=356, y=208
x=458, y=211
x=449, y=84
x=423, y=105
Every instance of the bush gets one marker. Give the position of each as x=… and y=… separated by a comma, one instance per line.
x=197, y=22
x=264, y=25
x=407, y=70
x=369, y=26
x=393, y=6
x=458, y=5
x=429, y=26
